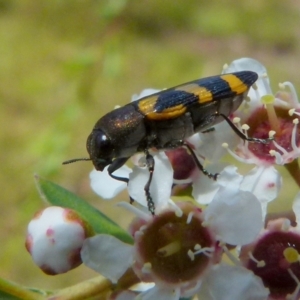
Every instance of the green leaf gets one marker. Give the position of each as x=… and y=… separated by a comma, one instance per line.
x=12, y=291
x=101, y=224
x=6, y=296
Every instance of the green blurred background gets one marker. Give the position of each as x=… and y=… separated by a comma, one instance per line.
x=65, y=63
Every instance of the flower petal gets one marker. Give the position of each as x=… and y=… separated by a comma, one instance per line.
x=263, y=182
x=107, y=255
x=210, y=143
x=161, y=185
x=123, y=295
x=232, y=283
x=160, y=293
x=205, y=188
x=229, y=181
x=235, y=216
x=246, y=64
x=105, y=186
x=230, y=177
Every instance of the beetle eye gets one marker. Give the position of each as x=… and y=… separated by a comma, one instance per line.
x=102, y=144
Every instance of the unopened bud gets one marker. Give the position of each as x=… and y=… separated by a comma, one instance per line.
x=54, y=239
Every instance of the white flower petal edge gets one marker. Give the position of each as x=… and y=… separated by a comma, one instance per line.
x=144, y=93
x=232, y=283
x=246, y=64
x=125, y=295
x=205, y=188
x=105, y=186
x=160, y=293
x=107, y=255
x=161, y=185
x=229, y=177
x=265, y=183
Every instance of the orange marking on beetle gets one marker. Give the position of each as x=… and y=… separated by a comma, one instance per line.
x=168, y=113
x=203, y=94
x=147, y=105
x=236, y=84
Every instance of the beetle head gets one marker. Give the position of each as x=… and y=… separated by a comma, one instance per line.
x=100, y=149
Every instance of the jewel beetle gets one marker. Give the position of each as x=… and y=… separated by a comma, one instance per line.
x=164, y=120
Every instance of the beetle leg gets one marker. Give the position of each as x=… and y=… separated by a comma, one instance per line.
x=241, y=134
x=199, y=165
x=150, y=165
x=115, y=165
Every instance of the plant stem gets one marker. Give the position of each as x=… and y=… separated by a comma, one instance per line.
x=92, y=287
x=13, y=289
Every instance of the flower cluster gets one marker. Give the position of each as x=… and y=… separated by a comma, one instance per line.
x=217, y=242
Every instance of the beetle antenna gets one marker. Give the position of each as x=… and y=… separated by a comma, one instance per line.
x=74, y=160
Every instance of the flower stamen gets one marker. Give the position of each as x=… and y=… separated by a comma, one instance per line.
x=268, y=101
x=296, y=292
x=236, y=121
x=199, y=250
x=191, y=255
x=280, y=148
x=245, y=127
x=272, y=134
x=169, y=249
x=147, y=268
x=190, y=217
x=237, y=157
x=177, y=210
x=259, y=263
x=294, y=132
x=206, y=251
x=292, y=111
x=291, y=255
x=278, y=157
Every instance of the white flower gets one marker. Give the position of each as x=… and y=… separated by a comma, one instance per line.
x=267, y=115
x=173, y=251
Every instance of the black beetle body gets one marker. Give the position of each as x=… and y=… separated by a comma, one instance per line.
x=164, y=120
